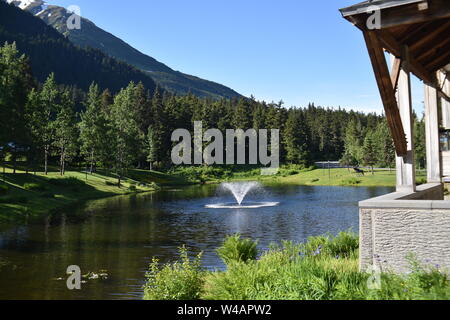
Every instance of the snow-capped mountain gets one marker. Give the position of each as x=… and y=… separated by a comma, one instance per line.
x=34, y=6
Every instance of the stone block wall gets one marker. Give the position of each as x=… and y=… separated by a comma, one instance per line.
x=396, y=226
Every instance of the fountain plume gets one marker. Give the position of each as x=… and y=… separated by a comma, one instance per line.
x=240, y=189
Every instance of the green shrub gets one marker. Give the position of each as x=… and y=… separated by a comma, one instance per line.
x=324, y=268
x=3, y=189
x=235, y=249
x=344, y=245
x=132, y=188
x=178, y=281
x=34, y=187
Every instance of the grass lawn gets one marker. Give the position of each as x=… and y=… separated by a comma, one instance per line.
x=335, y=177
x=24, y=196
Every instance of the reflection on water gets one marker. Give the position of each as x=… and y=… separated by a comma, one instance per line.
x=122, y=235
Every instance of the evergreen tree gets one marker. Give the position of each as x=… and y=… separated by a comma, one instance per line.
x=295, y=139
x=150, y=149
x=15, y=83
x=369, y=151
x=385, y=145
x=419, y=142
x=161, y=138
x=352, y=142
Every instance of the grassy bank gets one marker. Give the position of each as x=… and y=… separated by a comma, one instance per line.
x=294, y=175
x=24, y=196
x=324, y=268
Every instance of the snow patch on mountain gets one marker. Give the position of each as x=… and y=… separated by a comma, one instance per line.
x=34, y=6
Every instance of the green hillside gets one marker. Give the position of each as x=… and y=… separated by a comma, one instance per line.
x=92, y=36
x=49, y=51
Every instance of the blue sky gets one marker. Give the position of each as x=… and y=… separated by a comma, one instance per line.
x=296, y=50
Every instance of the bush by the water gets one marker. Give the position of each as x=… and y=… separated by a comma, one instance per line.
x=34, y=187
x=203, y=173
x=213, y=173
x=235, y=249
x=178, y=281
x=324, y=268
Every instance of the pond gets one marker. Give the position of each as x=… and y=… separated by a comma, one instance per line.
x=121, y=235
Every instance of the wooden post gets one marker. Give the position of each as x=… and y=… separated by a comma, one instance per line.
x=434, y=172
x=444, y=83
x=406, y=173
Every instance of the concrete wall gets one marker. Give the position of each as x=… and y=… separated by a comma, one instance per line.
x=396, y=225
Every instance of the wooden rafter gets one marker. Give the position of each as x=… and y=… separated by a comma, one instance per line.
x=385, y=86
x=425, y=40
x=431, y=50
x=395, y=73
x=391, y=44
x=441, y=61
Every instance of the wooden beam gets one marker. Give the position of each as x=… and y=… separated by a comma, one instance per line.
x=411, y=14
x=442, y=59
x=406, y=180
x=412, y=31
x=444, y=78
x=390, y=43
x=395, y=73
x=387, y=92
x=429, y=36
x=430, y=50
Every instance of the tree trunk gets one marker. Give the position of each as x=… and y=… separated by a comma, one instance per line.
x=46, y=160
x=4, y=170
x=14, y=159
x=92, y=161
x=62, y=161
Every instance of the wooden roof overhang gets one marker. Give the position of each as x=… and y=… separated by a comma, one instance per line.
x=417, y=31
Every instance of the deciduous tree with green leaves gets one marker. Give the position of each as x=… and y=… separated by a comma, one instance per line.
x=66, y=131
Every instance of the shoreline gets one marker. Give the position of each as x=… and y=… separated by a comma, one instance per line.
x=99, y=186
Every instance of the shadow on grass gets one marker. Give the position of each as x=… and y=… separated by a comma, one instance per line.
x=29, y=196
